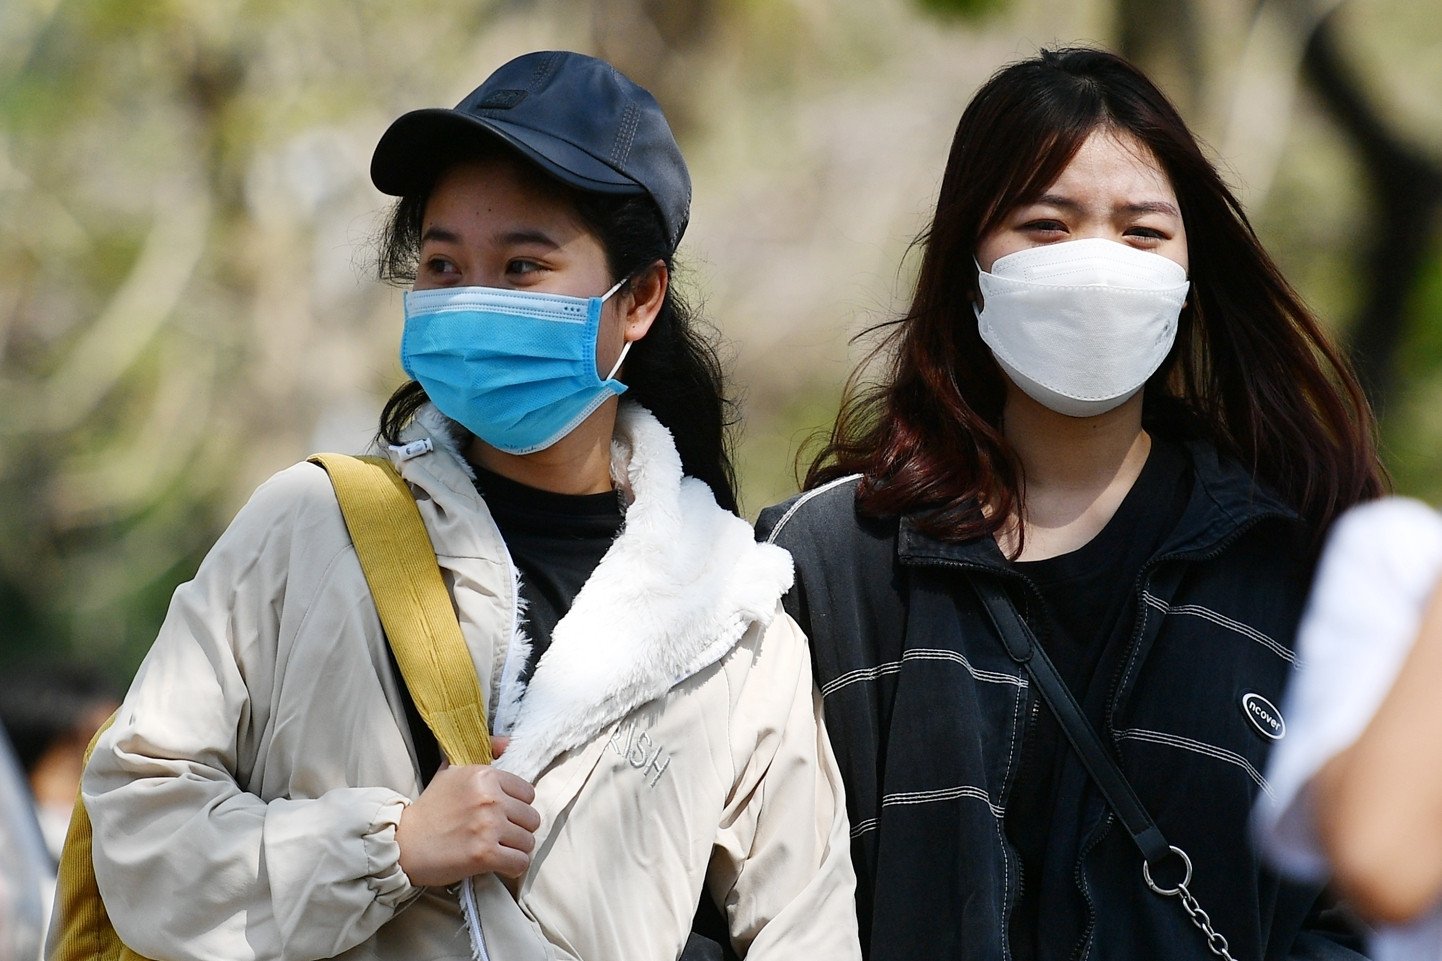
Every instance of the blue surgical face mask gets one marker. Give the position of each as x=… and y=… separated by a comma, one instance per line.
x=516, y=368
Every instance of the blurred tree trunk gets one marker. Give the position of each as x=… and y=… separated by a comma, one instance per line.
x=1402, y=184
x=653, y=42
x=1163, y=38
x=1404, y=197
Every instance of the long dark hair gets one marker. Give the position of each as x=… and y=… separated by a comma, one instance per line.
x=673, y=371
x=1251, y=371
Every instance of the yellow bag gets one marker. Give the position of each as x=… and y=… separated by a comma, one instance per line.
x=400, y=567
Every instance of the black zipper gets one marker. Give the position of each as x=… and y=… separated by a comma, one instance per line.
x=1028, y=727
x=1084, y=944
x=1139, y=591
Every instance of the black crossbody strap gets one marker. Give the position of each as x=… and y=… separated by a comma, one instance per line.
x=1023, y=648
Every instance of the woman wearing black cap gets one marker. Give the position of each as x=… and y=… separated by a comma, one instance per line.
x=564, y=437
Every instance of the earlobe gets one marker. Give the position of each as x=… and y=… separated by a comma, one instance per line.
x=647, y=294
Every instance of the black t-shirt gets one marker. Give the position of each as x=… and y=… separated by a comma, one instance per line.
x=555, y=541
x=1088, y=610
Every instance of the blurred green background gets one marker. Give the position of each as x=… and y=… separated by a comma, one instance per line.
x=186, y=285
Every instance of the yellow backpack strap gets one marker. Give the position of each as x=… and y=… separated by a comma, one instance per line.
x=82, y=930
x=415, y=609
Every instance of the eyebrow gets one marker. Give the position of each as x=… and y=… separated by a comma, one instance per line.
x=440, y=234
x=1152, y=207
x=510, y=238
x=517, y=237
x=1140, y=207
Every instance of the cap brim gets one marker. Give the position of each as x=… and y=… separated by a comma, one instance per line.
x=420, y=144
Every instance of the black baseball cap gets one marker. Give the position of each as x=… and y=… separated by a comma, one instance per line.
x=578, y=118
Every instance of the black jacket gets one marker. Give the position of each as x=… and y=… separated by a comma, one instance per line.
x=928, y=715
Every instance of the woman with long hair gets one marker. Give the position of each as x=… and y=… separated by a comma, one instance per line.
x=266, y=792
x=1107, y=411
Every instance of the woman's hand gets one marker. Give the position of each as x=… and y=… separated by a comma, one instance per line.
x=469, y=820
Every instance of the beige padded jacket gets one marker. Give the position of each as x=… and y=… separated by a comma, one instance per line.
x=245, y=800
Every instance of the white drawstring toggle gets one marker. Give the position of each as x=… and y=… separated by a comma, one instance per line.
x=412, y=450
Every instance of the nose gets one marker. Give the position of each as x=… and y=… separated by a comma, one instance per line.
x=1097, y=231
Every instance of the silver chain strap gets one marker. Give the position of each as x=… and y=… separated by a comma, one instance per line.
x=1215, y=942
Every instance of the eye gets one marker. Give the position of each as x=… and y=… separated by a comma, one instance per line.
x=1147, y=235
x=521, y=267
x=438, y=266
x=1044, y=227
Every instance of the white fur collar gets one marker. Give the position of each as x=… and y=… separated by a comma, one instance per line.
x=678, y=588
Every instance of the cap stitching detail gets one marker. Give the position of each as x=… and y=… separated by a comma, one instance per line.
x=625, y=136
x=544, y=68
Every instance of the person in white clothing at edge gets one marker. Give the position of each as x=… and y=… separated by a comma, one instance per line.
x=260, y=794
x=1357, y=783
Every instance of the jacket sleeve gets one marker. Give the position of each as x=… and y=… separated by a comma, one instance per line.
x=190, y=864
x=782, y=868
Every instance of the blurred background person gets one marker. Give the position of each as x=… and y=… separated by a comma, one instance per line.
x=1357, y=780
x=51, y=712
x=27, y=877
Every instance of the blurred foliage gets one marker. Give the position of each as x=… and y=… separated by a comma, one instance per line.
x=159, y=324
x=185, y=222
x=963, y=9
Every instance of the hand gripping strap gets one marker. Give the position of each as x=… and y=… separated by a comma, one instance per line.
x=415, y=609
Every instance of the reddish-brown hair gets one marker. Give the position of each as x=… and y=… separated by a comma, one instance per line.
x=1252, y=370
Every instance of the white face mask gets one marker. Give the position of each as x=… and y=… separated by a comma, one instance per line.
x=1080, y=325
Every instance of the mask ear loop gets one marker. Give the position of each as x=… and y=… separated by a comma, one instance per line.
x=977, y=301
x=625, y=348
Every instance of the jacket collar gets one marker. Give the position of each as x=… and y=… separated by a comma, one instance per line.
x=681, y=584
x=1224, y=500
